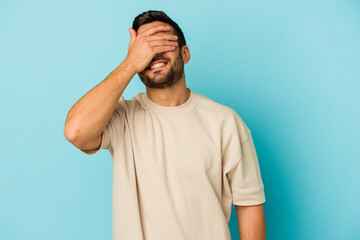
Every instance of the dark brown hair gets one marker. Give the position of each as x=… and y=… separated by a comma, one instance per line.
x=152, y=16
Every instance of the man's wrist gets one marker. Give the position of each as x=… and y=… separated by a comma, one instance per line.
x=127, y=68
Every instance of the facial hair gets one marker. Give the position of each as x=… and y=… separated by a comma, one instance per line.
x=173, y=76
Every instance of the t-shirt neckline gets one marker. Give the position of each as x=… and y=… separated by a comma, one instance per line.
x=186, y=106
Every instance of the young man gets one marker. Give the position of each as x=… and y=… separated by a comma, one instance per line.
x=180, y=160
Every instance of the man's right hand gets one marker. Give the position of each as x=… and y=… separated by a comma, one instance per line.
x=143, y=47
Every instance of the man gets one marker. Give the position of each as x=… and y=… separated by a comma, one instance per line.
x=180, y=160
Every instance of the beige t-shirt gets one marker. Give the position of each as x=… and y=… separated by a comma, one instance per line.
x=178, y=170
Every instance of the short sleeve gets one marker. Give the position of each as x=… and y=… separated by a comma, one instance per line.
x=114, y=129
x=244, y=177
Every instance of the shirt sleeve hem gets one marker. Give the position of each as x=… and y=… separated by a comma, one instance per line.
x=249, y=199
x=103, y=145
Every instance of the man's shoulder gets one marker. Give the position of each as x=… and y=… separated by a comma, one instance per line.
x=131, y=103
x=229, y=119
x=210, y=105
x=221, y=112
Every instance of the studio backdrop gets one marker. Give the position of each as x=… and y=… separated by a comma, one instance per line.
x=290, y=69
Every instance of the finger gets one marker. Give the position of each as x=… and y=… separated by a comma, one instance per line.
x=160, y=49
x=162, y=43
x=160, y=37
x=132, y=35
x=155, y=29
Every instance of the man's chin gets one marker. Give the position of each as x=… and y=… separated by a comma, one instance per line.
x=153, y=79
x=157, y=80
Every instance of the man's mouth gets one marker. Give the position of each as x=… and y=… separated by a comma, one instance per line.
x=156, y=65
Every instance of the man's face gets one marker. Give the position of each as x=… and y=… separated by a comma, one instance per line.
x=163, y=76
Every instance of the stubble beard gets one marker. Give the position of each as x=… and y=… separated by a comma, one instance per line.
x=173, y=76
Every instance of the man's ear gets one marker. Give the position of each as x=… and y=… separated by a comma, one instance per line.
x=185, y=52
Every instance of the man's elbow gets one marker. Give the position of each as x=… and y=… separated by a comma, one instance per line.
x=72, y=136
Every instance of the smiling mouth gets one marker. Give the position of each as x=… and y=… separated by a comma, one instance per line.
x=157, y=65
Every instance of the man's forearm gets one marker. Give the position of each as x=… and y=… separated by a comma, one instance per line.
x=88, y=117
x=251, y=222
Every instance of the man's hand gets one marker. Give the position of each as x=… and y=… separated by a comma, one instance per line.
x=143, y=47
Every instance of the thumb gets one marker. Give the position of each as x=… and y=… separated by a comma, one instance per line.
x=132, y=35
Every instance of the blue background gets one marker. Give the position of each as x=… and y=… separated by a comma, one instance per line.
x=291, y=70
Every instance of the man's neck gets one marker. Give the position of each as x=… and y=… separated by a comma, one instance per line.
x=169, y=97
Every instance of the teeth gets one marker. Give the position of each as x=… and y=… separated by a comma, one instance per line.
x=157, y=65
